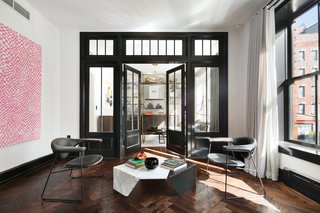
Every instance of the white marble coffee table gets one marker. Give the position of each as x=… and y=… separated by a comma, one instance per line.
x=126, y=178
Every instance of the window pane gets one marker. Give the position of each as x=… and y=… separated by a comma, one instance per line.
x=302, y=120
x=145, y=47
x=314, y=55
x=101, y=47
x=206, y=47
x=214, y=47
x=101, y=99
x=206, y=103
x=129, y=47
x=178, y=47
x=95, y=99
x=93, y=47
x=137, y=47
x=178, y=100
x=109, y=47
x=135, y=101
x=130, y=102
x=170, y=47
x=154, y=47
x=305, y=41
x=301, y=71
x=198, y=47
x=171, y=101
x=162, y=47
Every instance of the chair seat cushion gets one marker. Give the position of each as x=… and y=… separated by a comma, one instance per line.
x=220, y=159
x=88, y=160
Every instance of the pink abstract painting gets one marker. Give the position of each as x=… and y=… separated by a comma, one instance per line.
x=20, y=88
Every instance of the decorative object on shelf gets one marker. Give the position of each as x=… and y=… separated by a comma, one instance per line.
x=158, y=106
x=151, y=163
x=141, y=155
x=150, y=106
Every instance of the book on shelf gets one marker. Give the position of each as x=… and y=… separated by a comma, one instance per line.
x=135, y=163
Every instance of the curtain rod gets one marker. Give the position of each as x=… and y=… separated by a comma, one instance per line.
x=270, y=2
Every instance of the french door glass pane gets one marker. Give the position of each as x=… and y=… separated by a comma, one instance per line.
x=303, y=121
x=171, y=101
x=135, y=99
x=101, y=99
x=178, y=101
x=129, y=101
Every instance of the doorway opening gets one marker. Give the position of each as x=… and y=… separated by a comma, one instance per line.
x=153, y=106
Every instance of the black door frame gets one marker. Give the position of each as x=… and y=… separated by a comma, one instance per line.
x=116, y=139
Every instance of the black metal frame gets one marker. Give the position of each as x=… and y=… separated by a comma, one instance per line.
x=117, y=148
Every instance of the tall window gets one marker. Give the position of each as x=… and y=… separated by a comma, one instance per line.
x=301, y=71
x=303, y=85
x=206, y=94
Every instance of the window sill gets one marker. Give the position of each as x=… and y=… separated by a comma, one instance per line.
x=309, y=154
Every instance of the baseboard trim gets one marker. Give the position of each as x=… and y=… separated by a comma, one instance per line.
x=27, y=167
x=306, y=186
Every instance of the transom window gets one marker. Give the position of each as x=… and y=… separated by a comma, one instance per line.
x=101, y=47
x=206, y=47
x=154, y=47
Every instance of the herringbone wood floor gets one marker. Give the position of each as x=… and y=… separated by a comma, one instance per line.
x=23, y=195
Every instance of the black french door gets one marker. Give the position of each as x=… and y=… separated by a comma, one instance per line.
x=132, y=103
x=176, y=116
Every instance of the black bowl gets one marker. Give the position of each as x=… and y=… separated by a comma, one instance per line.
x=151, y=163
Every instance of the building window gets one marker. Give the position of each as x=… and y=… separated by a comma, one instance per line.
x=313, y=109
x=301, y=71
x=301, y=55
x=314, y=55
x=314, y=69
x=301, y=109
x=313, y=91
x=301, y=92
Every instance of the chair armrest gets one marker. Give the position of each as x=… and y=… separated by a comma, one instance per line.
x=239, y=148
x=68, y=149
x=87, y=140
x=217, y=140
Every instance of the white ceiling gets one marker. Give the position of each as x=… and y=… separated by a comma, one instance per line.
x=148, y=15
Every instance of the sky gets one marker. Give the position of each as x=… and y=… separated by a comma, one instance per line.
x=308, y=18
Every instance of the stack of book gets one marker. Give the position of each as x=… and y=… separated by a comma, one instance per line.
x=135, y=163
x=174, y=164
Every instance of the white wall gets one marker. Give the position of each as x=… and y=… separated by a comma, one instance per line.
x=39, y=30
x=69, y=80
x=237, y=80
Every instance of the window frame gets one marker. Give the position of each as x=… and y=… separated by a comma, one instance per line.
x=290, y=79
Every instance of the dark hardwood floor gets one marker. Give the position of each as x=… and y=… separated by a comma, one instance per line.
x=23, y=194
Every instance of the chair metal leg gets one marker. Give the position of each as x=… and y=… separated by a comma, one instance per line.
x=254, y=164
x=45, y=186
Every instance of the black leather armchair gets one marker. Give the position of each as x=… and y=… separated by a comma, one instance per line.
x=61, y=148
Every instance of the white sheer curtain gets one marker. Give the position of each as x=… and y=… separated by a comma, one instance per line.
x=262, y=93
